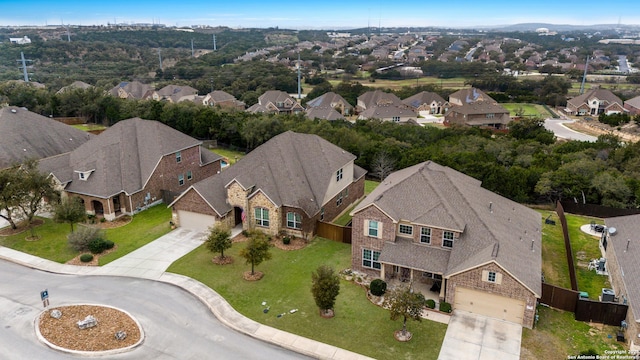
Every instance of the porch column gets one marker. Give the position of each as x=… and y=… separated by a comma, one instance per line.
x=382, y=271
x=443, y=286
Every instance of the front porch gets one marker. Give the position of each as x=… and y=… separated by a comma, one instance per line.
x=427, y=283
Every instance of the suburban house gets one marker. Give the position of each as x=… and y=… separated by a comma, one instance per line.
x=223, y=99
x=26, y=135
x=20, y=41
x=622, y=253
x=173, y=93
x=633, y=106
x=285, y=185
x=76, y=85
x=431, y=225
x=389, y=113
x=323, y=113
x=130, y=166
x=376, y=98
x=276, y=102
x=427, y=101
x=131, y=90
x=595, y=102
x=472, y=107
x=331, y=100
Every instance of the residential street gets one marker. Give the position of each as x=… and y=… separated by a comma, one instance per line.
x=176, y=324
x=563, y=132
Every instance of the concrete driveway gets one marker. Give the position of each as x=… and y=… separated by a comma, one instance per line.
x=470, y=336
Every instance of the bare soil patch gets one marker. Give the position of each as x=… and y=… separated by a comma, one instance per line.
x=64, y=332
x=400, y=336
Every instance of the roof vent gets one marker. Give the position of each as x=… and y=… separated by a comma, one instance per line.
x=14, y=111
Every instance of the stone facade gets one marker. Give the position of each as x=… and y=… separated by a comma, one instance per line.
x=509, y=287
x=259, y=200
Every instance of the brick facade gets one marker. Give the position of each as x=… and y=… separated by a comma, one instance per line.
x=354, y=191
x=361, y=240
x=509, y=287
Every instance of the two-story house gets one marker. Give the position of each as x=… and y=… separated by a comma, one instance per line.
x=595, y=102
x=333, y=101
x=427, y=101
x=285, y=185
x=130, y=166
x=431, y=224
x=276, y=102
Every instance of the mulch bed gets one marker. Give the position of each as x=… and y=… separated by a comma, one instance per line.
x=22, y=226
x=257, y=275
x=222, y=260
x=94, y=262
x=64, y=332
x=117, y=222
x=295, y=244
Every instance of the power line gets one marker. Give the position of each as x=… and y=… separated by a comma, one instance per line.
x=23, y=61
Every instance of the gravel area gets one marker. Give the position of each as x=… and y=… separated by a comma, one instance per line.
x=64, y=332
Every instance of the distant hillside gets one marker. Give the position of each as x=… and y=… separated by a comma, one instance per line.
x=559, y=27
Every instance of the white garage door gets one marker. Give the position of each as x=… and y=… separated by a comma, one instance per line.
x=195, y=221
x=495, y=306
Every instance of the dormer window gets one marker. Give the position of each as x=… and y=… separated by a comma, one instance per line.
x=84, y=175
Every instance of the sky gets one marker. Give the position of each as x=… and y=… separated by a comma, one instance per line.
x=323, y=14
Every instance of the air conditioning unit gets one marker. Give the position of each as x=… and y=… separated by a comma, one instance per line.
x=607, y=295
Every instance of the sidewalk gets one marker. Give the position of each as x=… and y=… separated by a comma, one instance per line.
x=155, y=258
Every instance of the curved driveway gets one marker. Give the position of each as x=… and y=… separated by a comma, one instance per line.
x=563, y=132
x=176, y=324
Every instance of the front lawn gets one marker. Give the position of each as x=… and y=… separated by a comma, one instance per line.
x=358, y=326
x=529, y=110
x=231, y=155
x=345, y=218
x=557, y=335
x=52, y=245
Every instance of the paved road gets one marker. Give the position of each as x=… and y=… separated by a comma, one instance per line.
x=176, y=324
x=563, y=132
x=623, y=64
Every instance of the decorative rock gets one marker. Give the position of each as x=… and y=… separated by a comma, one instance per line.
x=56, y=314
x=121, y=335
x=88, y=322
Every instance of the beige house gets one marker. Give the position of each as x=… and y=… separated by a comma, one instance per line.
x=276, y=102
x=472, y=107
x=432, y=225
x=285, y=185
x=131, y=90
x=333, y=101
x=223, y=99
x=595, y=102
x=173, y=93
x=427, y=101
x=130, y=166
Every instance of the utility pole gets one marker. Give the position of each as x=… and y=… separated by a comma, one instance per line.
x=160, y=58
x=584, y=77
x=299, y=85
x=192, y=53
x=68, y=34
x=23, y=61
x=214, y=43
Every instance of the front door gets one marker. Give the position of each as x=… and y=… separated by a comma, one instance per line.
x=116, y=203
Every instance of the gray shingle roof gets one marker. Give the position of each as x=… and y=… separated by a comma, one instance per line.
x=493, y=228
x=468, y=96
x=627, y=228
x=423, y=97
x=635, y=102
x=403, y=252
x=480, y=107
x=377, y=98
x=387, y=112
x=122, y=158
x=27, y=135
x=134, y=89
x=292, y=169
x=600, y=94
x=327, y=100
x=325, y=113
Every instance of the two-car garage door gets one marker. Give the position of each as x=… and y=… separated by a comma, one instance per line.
x=195, y=221
x=492, y=305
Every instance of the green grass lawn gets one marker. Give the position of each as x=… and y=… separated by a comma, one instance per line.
x=529, y=109
x=89, y=127
x=286, y=285
x=344, y=219
x=557, y=335
x=231, y=155
x=554, y=259
x=144, y=228
x=453, y=83
x=369, y=186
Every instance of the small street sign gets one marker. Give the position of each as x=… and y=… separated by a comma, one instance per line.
x=44, y=295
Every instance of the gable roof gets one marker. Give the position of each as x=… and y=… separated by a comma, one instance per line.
x=122, y=158
x=292, y=169
x=387, y=112
x=378, y=98
x=469, y=96
x=133, y=89
x=600, y=94
x=219, y=96
x=633, y=102
x=75, y=85
x=328, y=100
x=479, y=107
x=270, y=100
x=423, y=97
x=493, y=228
x=324, y=113
x=176, y=92
x=27, y=135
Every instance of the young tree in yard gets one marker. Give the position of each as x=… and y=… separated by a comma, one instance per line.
x=257, y=249
x=325, y=288
x=9, y=195
x=219, y=239
x=35, y=187
x=401, y=302
x=69, y=210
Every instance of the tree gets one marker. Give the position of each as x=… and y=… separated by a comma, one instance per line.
x=257, y=249
x=325, y=287
x=402, y=302
x=35, y=187
x=8, y=194
x=382, y=165
x=219, y=239
x=69, y=210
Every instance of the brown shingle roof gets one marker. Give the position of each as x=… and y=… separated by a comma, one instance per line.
x=423, y=97
x=600, y=94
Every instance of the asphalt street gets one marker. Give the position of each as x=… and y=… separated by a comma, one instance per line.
x=176, y=324
x=561, y=131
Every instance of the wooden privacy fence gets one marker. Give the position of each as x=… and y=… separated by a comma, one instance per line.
x=596, y=210
x=567, y=246
x=334, y=232
x=601, y=312
x=559, y=298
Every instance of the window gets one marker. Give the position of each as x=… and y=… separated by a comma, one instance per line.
x=396, y=119
x=189, y=175
x=370, y=259
x=180, y=179
x=491, y=116
x=447, y=239
x=339, y=199
x=405, y=229
x=373, y=228
x=491, y=277
x=425, y=235
x=178, y=156
x=339, y=175
x=293, y=220
x=262, y=217
x=81, y=176
x=322, y=214
x=346, y=193
x=430, y=275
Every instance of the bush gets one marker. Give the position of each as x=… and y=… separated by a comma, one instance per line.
x=108, y=244
x=103, y=220
x=98, y=245
x=286, y=240
x=80, y=239
x=378, y=287
x=445, y=307
x=86, y=257
x=430, y=303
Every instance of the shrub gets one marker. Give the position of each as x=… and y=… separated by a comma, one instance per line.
x=98, y=245
x=86, y=257
x=286, y=240
x=80, y=239
x=378, y=287
x=445, y=307
x=108, y=244
x=102, y=220
x=430, y=303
